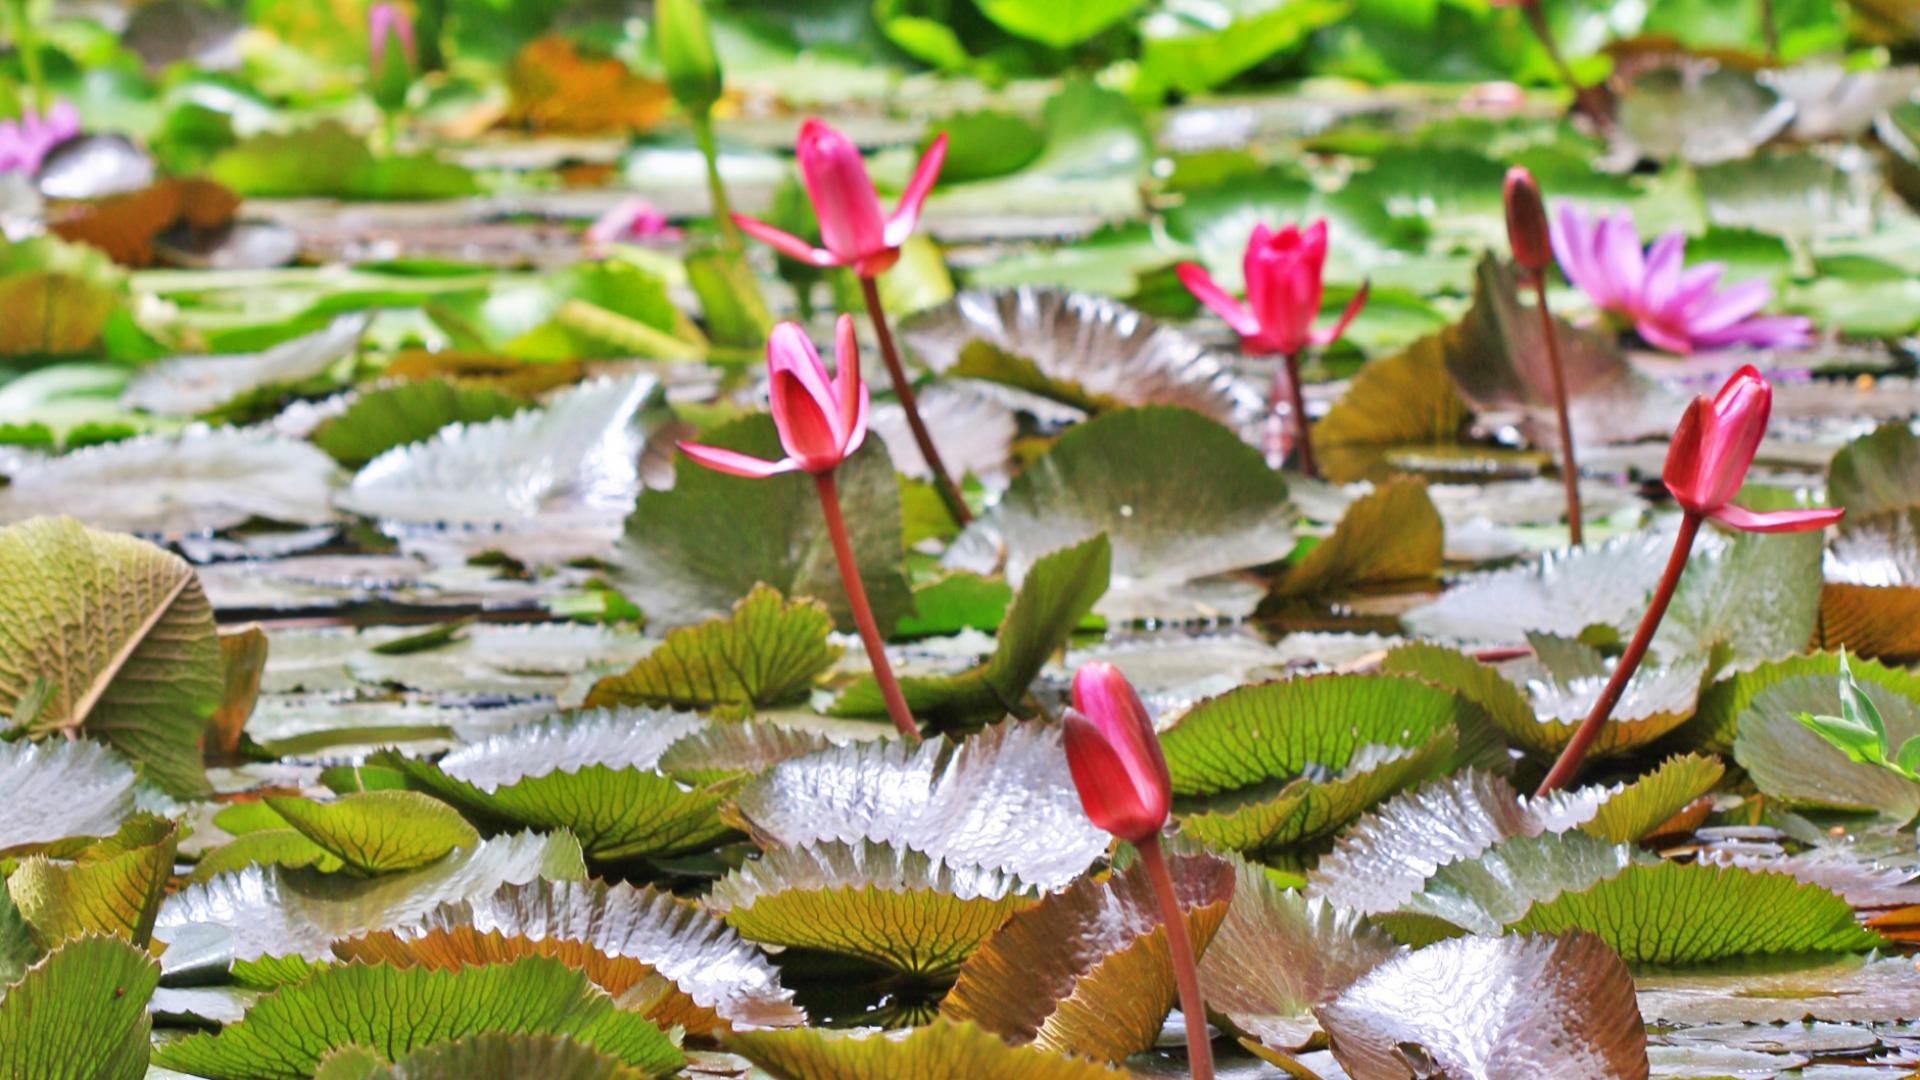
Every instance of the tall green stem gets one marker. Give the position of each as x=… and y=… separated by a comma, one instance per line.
x=716, y=190
x=1185, y=976
x=903, y=389
x=1569, y=471
x=26, y=41
x=1569, y=763
x=862, y=611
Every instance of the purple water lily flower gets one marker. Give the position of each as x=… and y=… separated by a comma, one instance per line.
x=1678, y=308
x=24, y=142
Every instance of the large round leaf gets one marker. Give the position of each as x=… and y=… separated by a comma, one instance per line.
x=943, y=1050
x=1790, y=761
x=80, y=1014
x=59, y=790
x=549, y=1057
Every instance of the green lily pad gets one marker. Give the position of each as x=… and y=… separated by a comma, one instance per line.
x=948, y=800
x=1058, y=592
x=375, y=832
x=57, y=297
x=1194, y=50
x=1397, y=401
x=1086, y=971
x=381, y=418
x=1202, y=506
x=888, y=906
x=691, y=552
x=592, y=775
x=1756, y=597
x=491, y=1053
x=80, y=1014
x=1875, y=473
x=113, y=886
x=942, y=1050
x=288, y=1032
x=766, y=652
x=124, y=637
x=1791, y=762
x=1563, y=592
x=1717, y=719
x=221, y=387
x=61, y=790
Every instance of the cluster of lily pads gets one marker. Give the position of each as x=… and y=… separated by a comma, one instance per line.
x=458, y=655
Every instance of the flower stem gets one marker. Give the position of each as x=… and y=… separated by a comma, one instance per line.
x=716, y=190
x=1569, y=471
x=1593, y=99
x=1569, y=762
x=26, y=42
x=942, y=482
x=1297, y=403
x=1199, y=1044
x=862, y=611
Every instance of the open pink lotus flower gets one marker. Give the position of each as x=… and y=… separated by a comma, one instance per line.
x=1678, y=309
x=24, y=143
x=1115, y=756
x=1712, y=450
x=851, y=225
x=1283, y=270
x=821, y=418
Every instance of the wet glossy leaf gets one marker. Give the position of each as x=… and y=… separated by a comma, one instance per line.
x=942, y=1050
x=889, y=906
x=375, y=832
x=1487, y=1007
x=1856, y=989
x=236, y=385
x=58, y=790
x=766, y=652
x=122, y=633
x=1563, y=592
x=379, y=419
x=1086, y=971
x=1485, y=894
x=1397, y=401
x=80, y=1014
x=289, y=1031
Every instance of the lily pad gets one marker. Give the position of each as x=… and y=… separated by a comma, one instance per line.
x=1398, y=401
x=1790, y=761
x=122, y=638
x=1279, y=954
x=56, y=297
x=376, y=832
x=942, y=1050
x=60, y=790
x=951, y=801
x=592, y=775
x=1204, y=505
x=1086, y=971
x=1485, y=894
x=288, y=1032
x=114, y=886
x=1717, y=719
x=1528, y=1005
x=766, y=652
x=691, y=552
x=1874, y=474
x=379, y=419
x=490, y=1053
x=80, y=1014
x=234, y=385
x=870, y=901
x=1391, y=535
x=1563, y=592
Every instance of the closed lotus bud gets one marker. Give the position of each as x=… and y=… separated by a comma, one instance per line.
x=1527, y=221
x=1114, y=755
x=1712, y=448
x=686, y=51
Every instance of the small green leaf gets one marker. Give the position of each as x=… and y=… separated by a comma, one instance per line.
x=375, y=832
x=1858, y=711
x=433, y=637
x=1907, y=758
x=766, y=652
x=1860, y=743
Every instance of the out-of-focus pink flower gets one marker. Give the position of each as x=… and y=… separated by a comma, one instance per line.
x=852, y=228
x=1494, y=97
x=630, y=219
x=821, y=417
x=386, y=20
x=1115, y=756
x=1526, y=221
x=1674, y=307
x=1712, y=449
x=24, y=142
x=1283, y=279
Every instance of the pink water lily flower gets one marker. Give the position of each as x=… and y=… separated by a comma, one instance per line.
x=1284, y=271
x=630, y=219
x=821, y=417
x=385, y=20
x=854, y=231
x=1712, y=449
x=1678, y=308
x=24, y=143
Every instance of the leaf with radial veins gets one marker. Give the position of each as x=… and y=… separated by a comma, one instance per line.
x=80, y=1014
x=377, y=831
x=381, y=418
x=765, y=652
x=114, y=886
x=124, y=636
x=488, y=1054
x=941, y=1050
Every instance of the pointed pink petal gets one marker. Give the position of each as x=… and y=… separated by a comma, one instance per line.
x=1201, y=285
x=849, y=390
x=907, y=214
x=1572, y=242
x=1664, y=259
x=1764, y=332
x=1686, y=451
x=1620, y=261
x=736, y=463
x=1773, y=521
x=785, y=242
x=1660, y=336
x=841, y=191
x=1695, y=282
x=804, y=410
x=1328, y=337
x=1729, y=306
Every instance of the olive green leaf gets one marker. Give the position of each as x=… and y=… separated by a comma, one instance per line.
x=80, y=1014
x=765, y=652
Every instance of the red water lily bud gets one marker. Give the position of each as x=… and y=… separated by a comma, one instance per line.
x=1115, y=755
x=1527, y=221
x=1712, y=449
x=1283, y=271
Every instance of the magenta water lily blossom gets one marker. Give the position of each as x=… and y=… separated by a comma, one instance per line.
x=1675, y=307
x=24, y=142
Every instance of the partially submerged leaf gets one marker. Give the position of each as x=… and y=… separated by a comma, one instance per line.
x=59, y=790
x=288, y=1032
x=80, y=1014
x=123, y=634
x=870, y=901
x=376, y=832
x=1483, y=1008
x=766, y=652
x=1392, y=535
x=942, y=1050
x=1086, y=971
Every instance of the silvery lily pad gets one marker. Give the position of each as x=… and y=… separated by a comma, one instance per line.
x=192, y=385
x=93, y=167
x=57, y=790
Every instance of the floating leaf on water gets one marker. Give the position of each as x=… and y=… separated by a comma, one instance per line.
x=766, y=652
x=287, y=1032
x=124, y=636
x=870, y=901
x=1697, y=109
x=1563, y=592
x=198, y=385
x=1086, y=972
x=379, y=419
x=376, y=832
x=489, y=1053
x=1789, y=761
x=1877, y=472
x=1453, y=1007
x=941, y=1050
x=1850, y=989
x=60, y=790
x=55, y=297
x=80, y=1014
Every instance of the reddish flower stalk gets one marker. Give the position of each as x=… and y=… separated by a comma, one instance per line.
x=1284, y=279
x=855, y=234
x=1706, y=463
x=1528, y=234
x=822, y=419
x=1125, y=789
